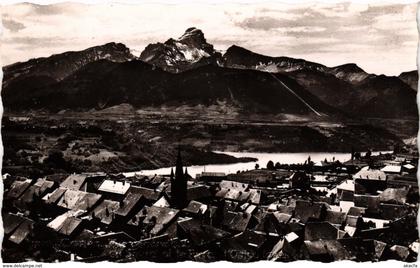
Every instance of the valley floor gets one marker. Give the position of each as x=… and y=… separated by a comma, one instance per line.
x=37, y=144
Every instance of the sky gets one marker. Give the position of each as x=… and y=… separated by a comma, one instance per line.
x=380, y=38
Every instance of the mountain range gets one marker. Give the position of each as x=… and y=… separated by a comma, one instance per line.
x=189, y=71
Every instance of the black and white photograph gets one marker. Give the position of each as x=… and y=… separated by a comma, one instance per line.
x=209, y=131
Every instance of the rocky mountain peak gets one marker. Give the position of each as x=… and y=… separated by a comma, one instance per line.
x=349, y=72
x=193, y=37
x=349, y=67
x=177, y=55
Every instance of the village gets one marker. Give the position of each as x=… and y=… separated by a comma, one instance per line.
x=364, y=209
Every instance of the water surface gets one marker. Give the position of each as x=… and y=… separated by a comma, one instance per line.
x=263, y=158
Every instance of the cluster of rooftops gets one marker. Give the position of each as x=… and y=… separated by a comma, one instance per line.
x=369, y=215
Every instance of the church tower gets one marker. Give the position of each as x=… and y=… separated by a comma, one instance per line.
x=179, y=185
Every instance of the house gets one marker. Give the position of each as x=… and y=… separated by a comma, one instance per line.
x=154, y=221
x=299, y=180
x=87, y=182
x=236, y=221
x=129, y=206
x=269, y=225
x=78, y=200
x=292, y=243
x=409, y=168
x=118, y=237
x=207, y=256
x=162, y=202
x=50, y=202
x=87, y=201
x=246, y=195
x=320, y=231
x=277, y=251
x=353, y=225
x=400, y=252
x=233, y=185
x=307, y=210
x=285, y=209
x=336, y=218
x=17, y=189
x=150, y=195
x=325, y=251
x=19, y=230
x=32, y=195
x=394, y=195
x=211, y=176
x=374, y=233
x=245, y=247
x=282, y=218
x=392, y=211
x=195, y=209
x=200, y=234
x=254, y=196
x=369, y=181
x=345, y=190
x=114, y=190
x=10, y=223
x=55, y=196
x=356, y=211
x=391, y=169
x=43, y=186
x=84, y=245
x=161, y=249
x=198, y=192
x=370, y=202
x=75, y=182
x=405, y=180
x=363, y=250
x=105, y=211
x=67, y=224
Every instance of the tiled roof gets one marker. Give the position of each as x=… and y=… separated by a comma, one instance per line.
x=116, y=187
x=105, y=211
x=74, y=181
x=370, y=174
x=55, y=196
x=22, y=231
x=18, y=188
x=201, y=234
x=11, y=222
x=129, y=203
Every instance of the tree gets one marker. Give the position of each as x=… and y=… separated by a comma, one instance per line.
x=368, y=154
x=277, y=166
x=257, y=166
x=56, y=159
x=270, y=165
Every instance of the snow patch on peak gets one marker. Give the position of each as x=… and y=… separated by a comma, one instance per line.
x=270, y=67
x=191, y=54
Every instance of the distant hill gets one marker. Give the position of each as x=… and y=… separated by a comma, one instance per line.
x=410, y=78
x=41, y=72
x=238, y=57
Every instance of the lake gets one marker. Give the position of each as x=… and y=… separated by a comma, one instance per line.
x=263, y=158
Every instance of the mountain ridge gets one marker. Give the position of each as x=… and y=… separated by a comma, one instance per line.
x=191, y=66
